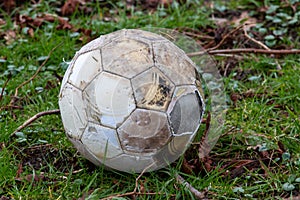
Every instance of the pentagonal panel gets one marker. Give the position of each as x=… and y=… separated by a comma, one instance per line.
x=72, y=111
x=101, y=41
x=130, y=163
x=127, y=57
x=144, y=131
x=92, y=45
x=85, y=68
x=185, y=111
x=174, y=63
x=101, y=141
x=152, y=89
x=109, y=99
x=172, y=151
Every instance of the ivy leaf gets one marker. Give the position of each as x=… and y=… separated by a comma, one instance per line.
x=286, y=156
x=238, y=190
x=272, y=9
x=288, y=187
x=42, y=58
x=269, y=37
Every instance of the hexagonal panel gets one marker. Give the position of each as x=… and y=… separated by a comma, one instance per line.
x=174, y=63
x=130, y=163
x=68, y=71
x=186, y=110
x=84, y=151
x=101, y=141
x=109, y=99
x=152, y=89
x=144, y=35
x=72, y=111
x=85, y=68
x=127, y=57
x=145, y=131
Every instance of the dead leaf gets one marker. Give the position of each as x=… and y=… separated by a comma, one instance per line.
x=165, y=3
x=153, y=4
x=186, y=167
x=220, y=21
x=9, y=5
x=25, y=20
x=63, y=22
x=244, y=18
x=281, y=148
x=207, y=162
x=10, y=36
x=292, y=198
x=64, y=25
x=32, y=177
x=4, y=198
x=71, y=6
x=30, y=32
x=238, y=167
x=2, y=22
x=235, y=97
x=19, y=171
x=205, y=147
x=2, y=146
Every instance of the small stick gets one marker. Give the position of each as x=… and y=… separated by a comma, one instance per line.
x=74, y=172
x=260, y=44
x=225, y=38
x=254, y=40
x=35, y=117
x=198, y=36
x=35, y=74
x=245, y=50
x=198, y=194
x=238, y=57
x=141, y=174
x=134, y=192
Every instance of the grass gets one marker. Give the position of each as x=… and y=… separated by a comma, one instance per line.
x=260, y=144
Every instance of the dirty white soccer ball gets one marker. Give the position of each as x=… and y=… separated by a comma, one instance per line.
x=131, y=100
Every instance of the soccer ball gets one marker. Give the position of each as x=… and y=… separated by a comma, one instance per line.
x=131, y=101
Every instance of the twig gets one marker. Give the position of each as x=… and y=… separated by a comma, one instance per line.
x=74, y=172
x=238, y=57
x=33, y=118
x=262, y=45
x=141, y=174
x=245, y=50
x=225, y=38
x=198, y=35
x=204, y=147
x=35, y=74
x=11, y=107
x=137, y=194
x=134, y=192
x=254, y=40
x=198, y=194
x=191, y=32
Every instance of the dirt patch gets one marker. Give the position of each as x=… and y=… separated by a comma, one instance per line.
x=44, y=157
